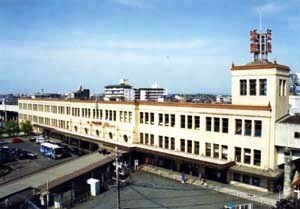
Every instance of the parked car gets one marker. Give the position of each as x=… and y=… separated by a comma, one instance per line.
x=2, y=142
x=32, y=139
x=16, y=140
x=4, y=149
x=15, y=151
x=26, y=155
x=40, y=139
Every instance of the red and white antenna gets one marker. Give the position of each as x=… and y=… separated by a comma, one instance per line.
x=260, y=43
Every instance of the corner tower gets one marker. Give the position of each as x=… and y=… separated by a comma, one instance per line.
x=261, y=82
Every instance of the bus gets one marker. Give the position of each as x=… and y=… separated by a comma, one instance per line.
x=51, y=150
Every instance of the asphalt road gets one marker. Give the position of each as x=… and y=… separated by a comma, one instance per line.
x=149, y=191
x=24, y=167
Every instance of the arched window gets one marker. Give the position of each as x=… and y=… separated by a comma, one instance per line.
x=86, y=130
x=97, y=132
x=125, y=137
x=75, y=128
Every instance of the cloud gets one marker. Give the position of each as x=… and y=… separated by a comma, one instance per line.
x=271, y=7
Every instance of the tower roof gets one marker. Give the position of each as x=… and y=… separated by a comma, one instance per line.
x=260, y=64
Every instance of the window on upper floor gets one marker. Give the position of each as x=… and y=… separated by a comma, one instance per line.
x=208, y=123
x=167, y=120
x=141, y=117
x=216, y=153
x=152, y=118
x=166, y=142
x=282, y=87
x=182, y=145
x=160, y=119
x=243, y=87
x=238, y=126
x=208, y=149
x=152, y=139
x=189, y=122
x=172, y=120
x=224, y=152
x=182, y=121
x=263, y=87
x=257, y=128
x=197, y=122
x=160, y=141
x=189, y=146
x=146, y=117
x=216, y=124
x=252, y=87
x=172, y=143
x=225, y=125
x=248, y=127
x=196, y=147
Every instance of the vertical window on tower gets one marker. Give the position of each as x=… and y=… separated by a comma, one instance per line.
x=263, y=87
x=238, y=126
x=252, y=87
x=257, y=128
x=243, y=87
x=208, y=123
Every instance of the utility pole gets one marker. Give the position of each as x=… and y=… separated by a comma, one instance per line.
x=118, y=165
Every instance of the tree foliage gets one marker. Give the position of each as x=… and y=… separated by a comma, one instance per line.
x=289, y=203
x=26, y=127
x=12, y=128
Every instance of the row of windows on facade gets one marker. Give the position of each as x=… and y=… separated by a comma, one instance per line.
x=211, y=150
x=193, y=122
x=246, y=179
x=251, y=87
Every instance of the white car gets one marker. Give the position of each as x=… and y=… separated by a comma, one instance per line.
x=40, y=139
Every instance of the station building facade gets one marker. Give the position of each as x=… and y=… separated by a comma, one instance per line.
x=232, y=143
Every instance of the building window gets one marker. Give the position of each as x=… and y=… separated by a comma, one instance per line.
x=208, y=123
x=152, y=118
x=189, y=122
x=247, y=156
x=86, y=130
x=196, y=147
x=257, y=127
x=252, y=87
x=97, y=132
x=255, y=181
x=172, y=143
x=160, y=141
x=182, y=145
x=146, y=117
x=224, y=152
x=125, y=137
x=238, y=154
x=172, y=120
x=297, y=135
x=237, y=177
x=197, y=122
x=216, y=151
x=151, y=139
x=182, y=121
x=141, y=138
x=248, y=127
x=166, y=142
x=263, y=87
x=141, y=117
x=216, y=124
x=160, y=119
x=225, y=125
x=167, y=120
x=110, y=135
x=189, y=146
x=282, y=87
x=146, y=139
x=243, y=87
x=208, y=149
x=257, y=157
x=246, y=179
x=238, y=126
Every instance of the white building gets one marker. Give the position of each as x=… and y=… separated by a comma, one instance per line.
x=155, y=93
x=120, y=92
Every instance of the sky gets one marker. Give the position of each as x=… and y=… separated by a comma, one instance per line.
x=186, y=46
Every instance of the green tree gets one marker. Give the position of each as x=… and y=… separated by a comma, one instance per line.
x=26, y=127
x=12, y=127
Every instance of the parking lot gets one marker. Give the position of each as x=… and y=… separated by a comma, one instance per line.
x=23, y=167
